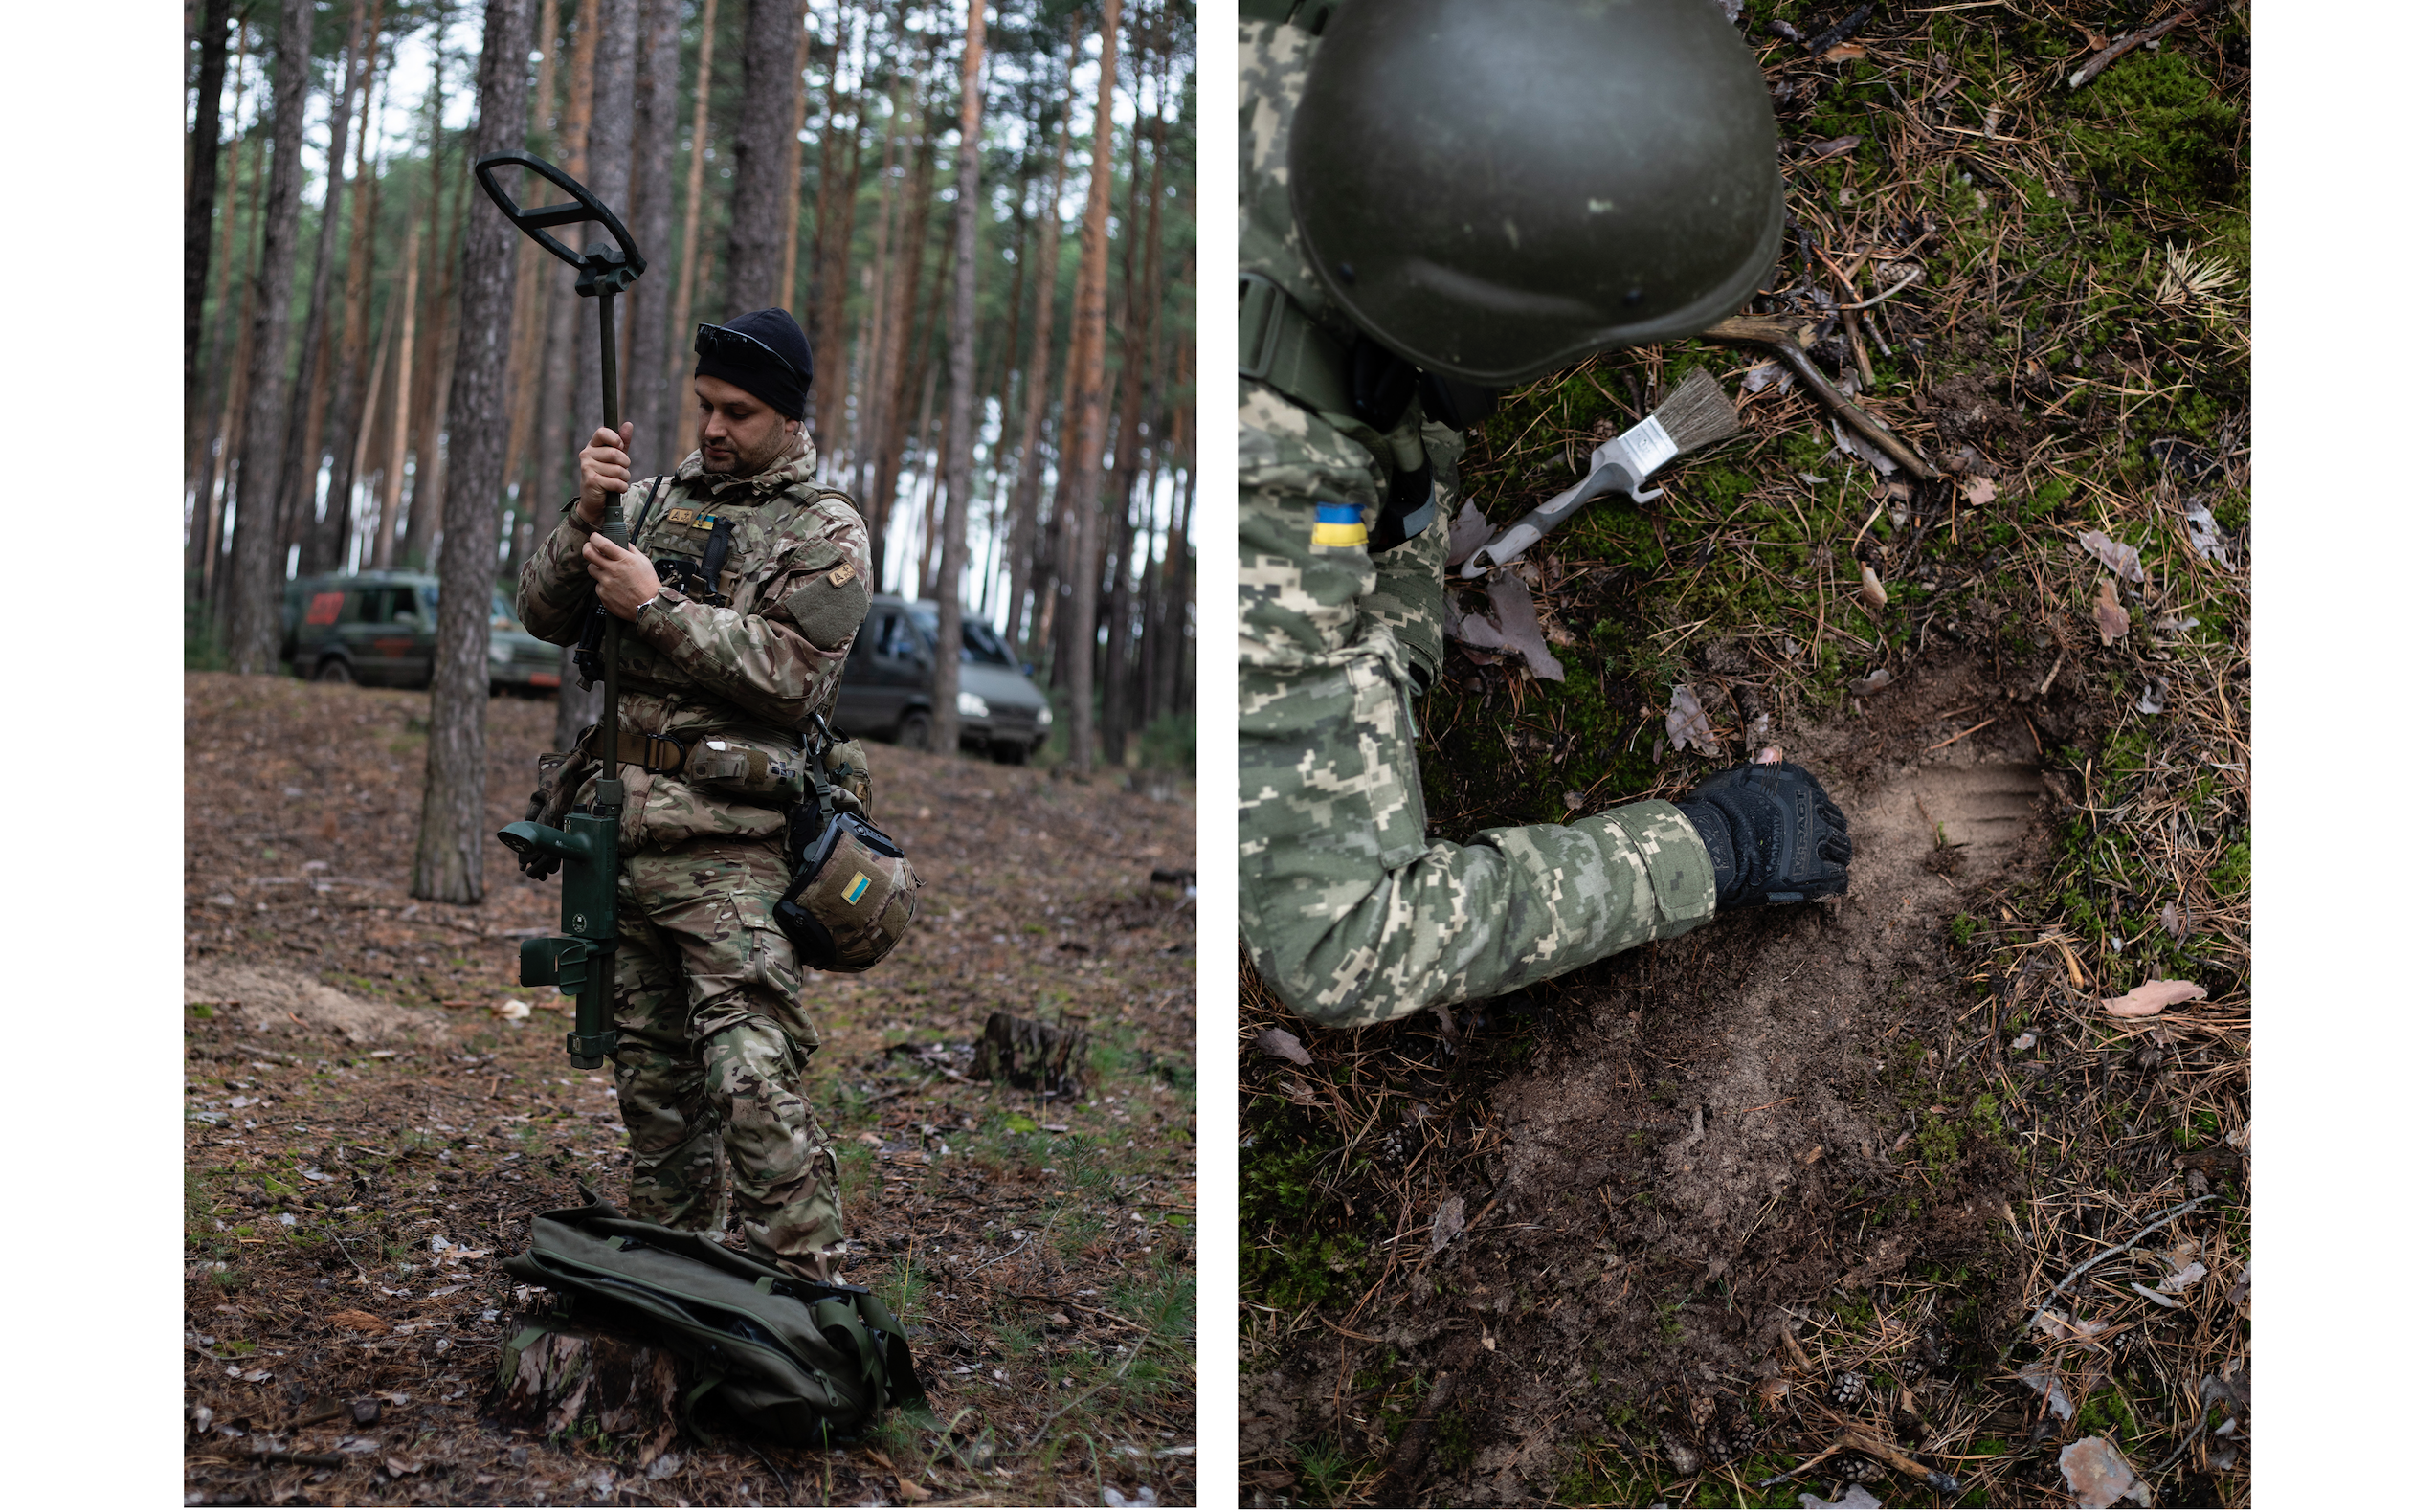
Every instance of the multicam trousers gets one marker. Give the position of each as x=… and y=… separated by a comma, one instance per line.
x=712, y=1040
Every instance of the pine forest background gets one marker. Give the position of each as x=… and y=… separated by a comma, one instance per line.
x=339, y=290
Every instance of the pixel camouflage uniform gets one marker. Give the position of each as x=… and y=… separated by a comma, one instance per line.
x=1353, y=914
x=712, y=1034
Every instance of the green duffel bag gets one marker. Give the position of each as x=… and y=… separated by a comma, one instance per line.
x=798, y=1362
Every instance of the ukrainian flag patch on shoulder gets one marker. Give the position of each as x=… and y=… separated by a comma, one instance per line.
x=855, y=889
x=1339, y=526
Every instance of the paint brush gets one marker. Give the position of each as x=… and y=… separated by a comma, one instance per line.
x=1695, y=414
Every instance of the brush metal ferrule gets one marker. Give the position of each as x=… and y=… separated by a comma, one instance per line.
x=1645, y=448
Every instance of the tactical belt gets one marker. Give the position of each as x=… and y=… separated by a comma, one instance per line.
x=655, y=753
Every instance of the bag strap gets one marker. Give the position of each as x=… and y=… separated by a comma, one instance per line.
x=711, y=1380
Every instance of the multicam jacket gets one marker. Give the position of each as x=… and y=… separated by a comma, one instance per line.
x=1352, y=912
x=796, y=579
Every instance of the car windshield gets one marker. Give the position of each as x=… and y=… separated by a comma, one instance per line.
x=980, y=642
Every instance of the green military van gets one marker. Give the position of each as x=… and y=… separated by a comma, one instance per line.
x=382, y=628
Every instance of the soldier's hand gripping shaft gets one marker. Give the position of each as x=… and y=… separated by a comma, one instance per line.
x=1773, y=835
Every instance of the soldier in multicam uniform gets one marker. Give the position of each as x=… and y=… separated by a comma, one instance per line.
x=744, y=589
x=1442, y=199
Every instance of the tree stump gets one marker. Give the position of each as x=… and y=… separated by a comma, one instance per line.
x=1037, y=1057
x=630, y=1388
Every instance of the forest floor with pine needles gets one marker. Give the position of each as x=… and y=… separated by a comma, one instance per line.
x=1875, y=1202
x=369, y=1130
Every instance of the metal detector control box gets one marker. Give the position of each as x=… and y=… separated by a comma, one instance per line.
x=577, y=962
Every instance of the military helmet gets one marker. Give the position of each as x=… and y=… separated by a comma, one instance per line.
x=1492, y=190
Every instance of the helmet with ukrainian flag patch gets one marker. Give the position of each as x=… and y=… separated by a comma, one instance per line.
x=856, y=892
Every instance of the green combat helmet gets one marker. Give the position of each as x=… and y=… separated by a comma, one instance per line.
x=1492, y=190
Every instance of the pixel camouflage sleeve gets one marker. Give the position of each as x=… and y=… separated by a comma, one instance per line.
x=1773, y=835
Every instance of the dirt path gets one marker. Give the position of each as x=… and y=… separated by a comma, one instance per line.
x=367, y=1136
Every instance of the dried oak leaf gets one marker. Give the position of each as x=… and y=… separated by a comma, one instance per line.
x=1469, y=532
x=2100, y=1476
x=1515, y=628
x=2116, y=556
x=2152, y=996
x=1283, y=1044
x=1687, y=724
x=2112, y=621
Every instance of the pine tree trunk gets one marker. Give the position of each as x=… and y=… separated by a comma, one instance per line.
x=1177, y=599
x=754, y=234
x=431, y=465
x=394, y=468
x=879, y=306
x=532, y=329
x=791, y=215
x=202, y=182
x=299, y=470
x=431, y=369
x=1000, y=368
x=651, y=392
x=680, y=315
x=839, y=157
x=1135, y=368
x=254, y=586
x=891, y=383
x=1083, y=619
x=841, y=181
x=331, y=353
x=453, y=838
x=1023, y=534
x=371, y=430
x=212, y=576
x=352, y=398
x=208, y=431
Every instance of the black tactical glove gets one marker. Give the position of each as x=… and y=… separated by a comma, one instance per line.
x=1773, y=834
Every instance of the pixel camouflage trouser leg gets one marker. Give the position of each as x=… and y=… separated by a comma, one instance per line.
x=712, y=1041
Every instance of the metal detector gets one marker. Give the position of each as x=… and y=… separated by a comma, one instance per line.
x=580, y=961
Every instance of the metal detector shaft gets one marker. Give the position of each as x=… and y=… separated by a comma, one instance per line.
x=580, y=961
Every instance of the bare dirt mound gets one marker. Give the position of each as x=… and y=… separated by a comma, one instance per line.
x=264, y=997
x=1711, y=1137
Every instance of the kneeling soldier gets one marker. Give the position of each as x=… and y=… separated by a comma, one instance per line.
x=744, y=587
x=1442, y=199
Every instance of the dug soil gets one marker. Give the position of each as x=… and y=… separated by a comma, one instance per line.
x=1701, y=1141
x=374, y=1111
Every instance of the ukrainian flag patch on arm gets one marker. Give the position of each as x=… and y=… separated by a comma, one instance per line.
x=1339, y=526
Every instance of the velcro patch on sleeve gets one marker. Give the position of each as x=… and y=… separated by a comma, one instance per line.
x=829, y=612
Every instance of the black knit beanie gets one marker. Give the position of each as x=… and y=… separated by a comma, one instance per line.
x=753, y=372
